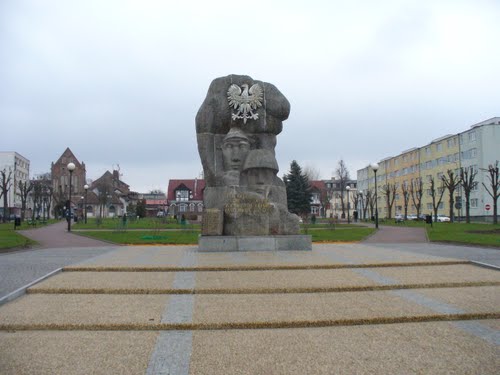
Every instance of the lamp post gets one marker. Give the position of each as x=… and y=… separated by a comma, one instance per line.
x=86, y=187
x=71, y=167
x=348, y=188
x=375, y=169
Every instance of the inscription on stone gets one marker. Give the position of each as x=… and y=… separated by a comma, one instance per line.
x=212, y=222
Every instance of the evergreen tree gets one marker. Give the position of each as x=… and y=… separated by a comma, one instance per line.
x=298, y=190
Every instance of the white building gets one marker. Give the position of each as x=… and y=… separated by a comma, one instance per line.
x=19, y=169
x=477, y=147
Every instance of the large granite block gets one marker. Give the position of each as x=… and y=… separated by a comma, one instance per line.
x=254, y=243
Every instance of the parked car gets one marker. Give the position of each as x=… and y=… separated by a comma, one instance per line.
x=399, y=218
x=442, y=218
x=160, y=214
x=412, y=217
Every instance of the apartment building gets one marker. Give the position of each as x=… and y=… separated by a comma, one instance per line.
x=19, y=168
x=476, y=147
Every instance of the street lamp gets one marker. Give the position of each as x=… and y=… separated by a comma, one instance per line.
x=86, y=187
x=348, y=188
x=71, y=167
x=375, y=169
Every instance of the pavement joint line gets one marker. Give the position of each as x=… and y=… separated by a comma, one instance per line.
x=184, y=280
x=170, y=355
x=262, y=267
x=193, y=290
x=480, y=330
x=485, y=265
x=22, y=290
x=172, y=351
x=251, y=325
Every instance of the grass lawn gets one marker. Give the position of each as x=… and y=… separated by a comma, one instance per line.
x=187, y=237
x=9, y=238
x=348, y=234
x=190, y=237
x=475, y=234
x=143, y=223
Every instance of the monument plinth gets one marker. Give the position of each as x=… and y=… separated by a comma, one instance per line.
x=245, y=201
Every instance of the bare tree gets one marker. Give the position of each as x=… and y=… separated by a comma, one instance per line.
x=104, y=194
x=436, y=195
x=406, y=197
x=354, y=198
x=495, y=187
x=370, y=197
x=24, y=190
x=36, y=197
x=312, y=173
x=342, y=174
x=389, y=191
x=5, y=185
x=451, y=183
x=417, y=192
x=467, y=180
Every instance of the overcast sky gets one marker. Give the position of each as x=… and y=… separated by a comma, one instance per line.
x=120, y=82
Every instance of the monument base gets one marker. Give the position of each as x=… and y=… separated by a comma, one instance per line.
x=254, y=243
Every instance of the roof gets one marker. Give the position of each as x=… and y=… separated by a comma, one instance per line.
x=317, y=184
x=196, y=187
x=68, y=155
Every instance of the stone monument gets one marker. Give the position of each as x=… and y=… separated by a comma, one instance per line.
x=245, y=201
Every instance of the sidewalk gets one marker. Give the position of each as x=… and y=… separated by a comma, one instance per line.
x=57, y=236
x=398, y=234
x=340, y=308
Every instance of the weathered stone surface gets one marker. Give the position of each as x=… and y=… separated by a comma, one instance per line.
x=236, y=128
x=212, y=222
x=254, y=243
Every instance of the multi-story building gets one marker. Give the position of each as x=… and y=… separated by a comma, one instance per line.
x=18, y=168
x=185, y=197
x=476, y=147
x=60, y=181
x=328, y=196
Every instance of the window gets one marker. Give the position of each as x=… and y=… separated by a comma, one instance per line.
x=441, y=206
x=182, y=195
x=429, y=206
x=427, y=150
x=191, y=207
x=314, y=210
x=200, y=207
x=472, y=136
x=182, y=207
x=474, y=203
x=439, y=146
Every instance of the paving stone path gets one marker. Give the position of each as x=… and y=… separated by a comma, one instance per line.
x=347, y=308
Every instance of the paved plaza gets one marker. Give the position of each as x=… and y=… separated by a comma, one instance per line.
x=364, y=308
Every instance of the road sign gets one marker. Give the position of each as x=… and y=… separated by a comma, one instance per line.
x=487, y=207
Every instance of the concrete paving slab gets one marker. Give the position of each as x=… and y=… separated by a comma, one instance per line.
x=158, y=258
x=413, y=348
x=479, y=299
x=106, y=282
x=83, y=309
x=70, y=311
x=267, y=281
x=75, y=352
x=299, y=307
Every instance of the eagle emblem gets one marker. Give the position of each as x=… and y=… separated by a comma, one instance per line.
x=245, y=101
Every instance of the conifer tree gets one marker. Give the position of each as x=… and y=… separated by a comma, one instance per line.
x=298, y=190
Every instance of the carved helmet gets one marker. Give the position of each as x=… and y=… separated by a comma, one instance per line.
x=261, y=158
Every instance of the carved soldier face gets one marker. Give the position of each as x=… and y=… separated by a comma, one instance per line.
x=234, y=152
x=258, y=179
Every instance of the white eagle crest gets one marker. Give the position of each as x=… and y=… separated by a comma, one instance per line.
x=245, y=102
